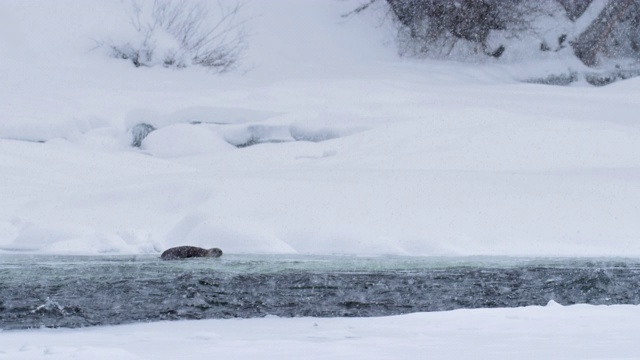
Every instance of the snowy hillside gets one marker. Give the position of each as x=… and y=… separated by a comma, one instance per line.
x=323, y=141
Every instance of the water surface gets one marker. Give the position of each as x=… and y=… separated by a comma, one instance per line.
x=74, y=291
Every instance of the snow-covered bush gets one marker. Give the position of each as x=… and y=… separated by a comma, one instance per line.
x=444, y=28
x=181, y=33
x=479, y=28
x=614, y=34
x=602, y=34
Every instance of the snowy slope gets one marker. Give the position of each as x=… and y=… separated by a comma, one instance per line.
x=366, y=153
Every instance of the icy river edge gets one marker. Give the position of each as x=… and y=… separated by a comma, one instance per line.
x=77, y=291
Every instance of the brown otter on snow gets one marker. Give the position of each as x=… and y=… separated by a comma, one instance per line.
x=184, y=252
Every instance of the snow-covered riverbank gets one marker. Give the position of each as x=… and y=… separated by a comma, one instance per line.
x=366, y=153
x=549, y=332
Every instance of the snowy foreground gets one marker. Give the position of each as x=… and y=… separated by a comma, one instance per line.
x=550, y=332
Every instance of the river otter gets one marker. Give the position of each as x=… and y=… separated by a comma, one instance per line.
x=183, y=252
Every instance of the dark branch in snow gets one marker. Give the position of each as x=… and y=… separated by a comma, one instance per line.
x=359, y=9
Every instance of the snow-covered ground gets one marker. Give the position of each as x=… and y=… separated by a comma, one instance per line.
x=418, y=157
x=367, y=154
x=550, y=332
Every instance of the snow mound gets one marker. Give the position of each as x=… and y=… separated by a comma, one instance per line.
x=232, y=236
x=553, y=304
x=182, y=140
x=197, y=115
x=360, y=152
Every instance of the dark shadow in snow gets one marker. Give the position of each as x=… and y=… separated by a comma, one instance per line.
x=248, y=135
x=606, y=78
x=256, y=141
x=139, y=132
x=594, y=78
x=37, y=141
x=257, y=134
x=556, y=79
x=313, y=135
x=262, y=134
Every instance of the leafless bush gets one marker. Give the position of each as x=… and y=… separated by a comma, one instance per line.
x=615, y=33
x=574, y=8
x=179, y=33
x=435, y=27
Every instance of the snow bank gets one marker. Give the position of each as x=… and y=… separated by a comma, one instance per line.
x=324, y=143
x=551, y=332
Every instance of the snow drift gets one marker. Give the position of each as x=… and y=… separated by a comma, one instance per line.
x=324, y=142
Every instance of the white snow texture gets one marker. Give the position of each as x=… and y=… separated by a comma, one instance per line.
x=323, y=141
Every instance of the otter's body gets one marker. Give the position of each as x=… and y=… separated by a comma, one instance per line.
x=184, y=252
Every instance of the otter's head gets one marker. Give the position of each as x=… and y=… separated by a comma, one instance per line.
x=214, y=252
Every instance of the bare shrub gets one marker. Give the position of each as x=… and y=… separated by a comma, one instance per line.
x=615, y=34
x=139, y=132
x=179, y=33
x=435, y=27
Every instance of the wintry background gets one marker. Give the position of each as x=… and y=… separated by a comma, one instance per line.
x=322, y=127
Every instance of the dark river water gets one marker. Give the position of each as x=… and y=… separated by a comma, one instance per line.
x=75, y=291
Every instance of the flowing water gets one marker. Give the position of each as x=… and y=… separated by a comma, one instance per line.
x=75, y=291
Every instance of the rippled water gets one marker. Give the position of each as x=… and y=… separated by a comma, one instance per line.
x=74, y=291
